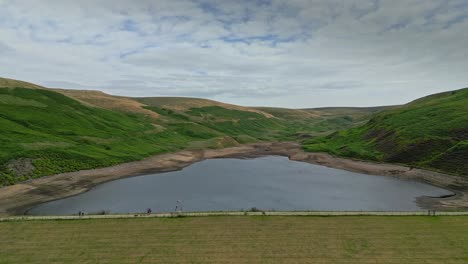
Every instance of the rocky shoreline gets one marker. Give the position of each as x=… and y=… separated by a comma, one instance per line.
x=17, y=199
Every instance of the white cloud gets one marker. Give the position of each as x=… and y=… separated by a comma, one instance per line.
x=296, y=53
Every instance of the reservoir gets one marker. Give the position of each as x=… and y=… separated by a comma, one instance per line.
x=267, y=183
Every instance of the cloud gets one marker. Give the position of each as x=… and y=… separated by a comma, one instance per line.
x=298, y=53
x=5, y=49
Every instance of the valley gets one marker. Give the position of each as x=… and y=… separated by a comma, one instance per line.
x=57, y=143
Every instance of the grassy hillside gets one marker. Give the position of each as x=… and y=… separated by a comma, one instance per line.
x=307, y=123
x=245, y=125
x=107, y=101
x=56, y=134
x=186, y=103
x=431, y=132
x=47, y=131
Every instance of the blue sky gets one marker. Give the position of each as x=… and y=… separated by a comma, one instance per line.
x=292, y=53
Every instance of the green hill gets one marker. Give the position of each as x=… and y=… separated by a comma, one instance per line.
x=45, y=132
x=307, y=123
x=431, y=132
x=51, y=133
x=48, y=131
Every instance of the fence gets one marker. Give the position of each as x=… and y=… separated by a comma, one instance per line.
x=240, y=213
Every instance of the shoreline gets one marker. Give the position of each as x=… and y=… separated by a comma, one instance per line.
x=19, y=198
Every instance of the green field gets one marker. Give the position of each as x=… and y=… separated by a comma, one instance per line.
x=243, y=239
x=431, y=132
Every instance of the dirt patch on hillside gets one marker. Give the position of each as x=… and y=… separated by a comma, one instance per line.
x=16, y=199
x=185, y=104
x=107, y=101
x=21, y=167
x=11, y=83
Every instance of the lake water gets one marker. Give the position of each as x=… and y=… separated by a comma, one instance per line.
x=268, y=183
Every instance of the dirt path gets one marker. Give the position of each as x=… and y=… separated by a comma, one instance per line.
x=16, y=199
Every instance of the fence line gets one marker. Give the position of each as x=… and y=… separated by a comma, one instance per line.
x=239, y=213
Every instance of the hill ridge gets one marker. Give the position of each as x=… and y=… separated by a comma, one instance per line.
x=430, y=132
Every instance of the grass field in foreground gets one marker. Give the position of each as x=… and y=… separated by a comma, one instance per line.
x=243, y=239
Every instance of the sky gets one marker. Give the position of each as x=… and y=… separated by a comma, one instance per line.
x=293, y=53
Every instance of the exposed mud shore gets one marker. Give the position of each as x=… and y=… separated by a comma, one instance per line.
x=17, y=199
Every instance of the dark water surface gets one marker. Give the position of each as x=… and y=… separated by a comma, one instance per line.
x=269, y=183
